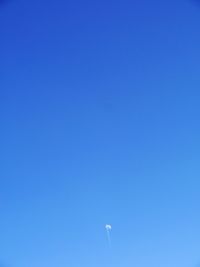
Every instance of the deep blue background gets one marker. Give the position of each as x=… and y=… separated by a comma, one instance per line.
x=100, y=123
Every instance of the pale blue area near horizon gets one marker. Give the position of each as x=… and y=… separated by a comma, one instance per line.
x=100, y=123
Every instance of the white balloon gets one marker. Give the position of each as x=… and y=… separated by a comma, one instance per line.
x=108, y=227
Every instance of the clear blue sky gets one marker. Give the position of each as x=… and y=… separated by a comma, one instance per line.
x=100, y=123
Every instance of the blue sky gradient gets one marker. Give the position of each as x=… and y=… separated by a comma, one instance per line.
x=99, y=111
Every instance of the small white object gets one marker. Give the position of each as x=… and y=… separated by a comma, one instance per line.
x=108, y=227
